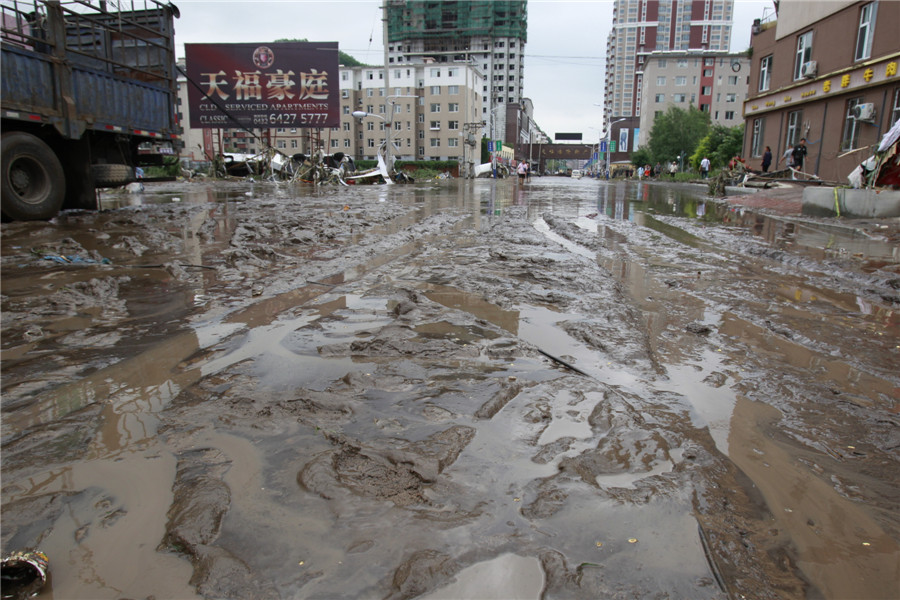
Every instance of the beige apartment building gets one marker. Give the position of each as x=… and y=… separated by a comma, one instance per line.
x=714, y=82
x=434, y=108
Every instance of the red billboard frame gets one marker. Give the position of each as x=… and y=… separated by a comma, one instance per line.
x=283, y=84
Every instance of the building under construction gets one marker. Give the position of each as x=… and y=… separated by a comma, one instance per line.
x=490, y=34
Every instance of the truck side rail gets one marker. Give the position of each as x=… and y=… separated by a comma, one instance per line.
x=81, y=67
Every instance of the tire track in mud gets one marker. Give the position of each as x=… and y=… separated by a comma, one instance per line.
x=802, y=537
x=440, y=438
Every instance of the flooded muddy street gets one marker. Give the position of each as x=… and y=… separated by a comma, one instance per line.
x=455, y=389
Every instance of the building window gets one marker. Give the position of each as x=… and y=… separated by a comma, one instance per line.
x=435, y=107
x=370, y=143
x=662, y=63
x=661, y=80
x=732, y=80
x=435, y=90
x=681, y=80
x=453, y=125
x=792, y=136
x=679, y=97
x=850, y=140
x=682, y=63
x=345, y=93
x=281, y=144
x=334, y=143
x=453, y=107
x=707, y=72
x=757, y=140
x=453, y=142
x=346, y=143
x=345, y=126
x=435, y=125
x=435, y=72
x=729, y=115
x=660, y=97
x=435, y=142
x=294, y=143
x=804, y=53
x=765, y=73
x=453, y=90
x=730, y=97
x=866, y=29
x=706, y=90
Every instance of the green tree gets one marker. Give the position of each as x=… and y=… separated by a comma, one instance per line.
x=720, y=145
x=642, y=156
x=677, y=132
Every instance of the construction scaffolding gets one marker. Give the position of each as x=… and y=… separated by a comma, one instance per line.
x=452, y=19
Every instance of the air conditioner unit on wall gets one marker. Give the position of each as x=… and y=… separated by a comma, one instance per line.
x=809, y=69
x=863, y=112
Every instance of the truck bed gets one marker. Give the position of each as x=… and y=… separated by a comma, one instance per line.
x=102, y=100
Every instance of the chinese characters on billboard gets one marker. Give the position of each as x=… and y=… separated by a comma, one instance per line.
x=288, y=84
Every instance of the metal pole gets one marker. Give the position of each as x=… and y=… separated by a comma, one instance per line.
x=387, y=106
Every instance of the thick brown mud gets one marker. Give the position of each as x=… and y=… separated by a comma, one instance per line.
x=563, y=389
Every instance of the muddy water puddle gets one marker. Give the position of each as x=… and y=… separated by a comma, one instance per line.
x=481, y=389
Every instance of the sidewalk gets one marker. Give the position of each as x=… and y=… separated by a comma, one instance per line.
x=786, y=200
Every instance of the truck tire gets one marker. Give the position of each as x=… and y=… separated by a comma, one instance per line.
x=33, y=184
x=112, y=175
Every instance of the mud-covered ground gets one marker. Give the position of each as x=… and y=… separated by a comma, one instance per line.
x=564, y=389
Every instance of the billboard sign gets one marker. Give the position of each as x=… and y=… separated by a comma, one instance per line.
x=285, y=84
x=623, y=140
x=568, y=136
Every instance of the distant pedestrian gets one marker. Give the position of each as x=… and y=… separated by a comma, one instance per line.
x=788, y=160
x=527, y=172
x=799, y=154
x=704, y=168
x=522, y=171
x=657, y=170
x=640, y=173
x=767, y=160
x=673, y=168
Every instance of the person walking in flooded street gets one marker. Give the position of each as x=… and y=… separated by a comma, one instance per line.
x=767, y=160
x=522, y=171
x=798, y=154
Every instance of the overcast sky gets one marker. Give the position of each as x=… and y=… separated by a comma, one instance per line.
x=565, y=56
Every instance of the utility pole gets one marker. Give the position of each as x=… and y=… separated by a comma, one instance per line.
x=388, y=107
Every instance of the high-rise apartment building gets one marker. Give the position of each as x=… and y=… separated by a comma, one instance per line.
x=490, y=34
x=714, y=82
x=641, y=27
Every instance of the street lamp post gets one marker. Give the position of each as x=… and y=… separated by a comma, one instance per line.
x=388, y=121
x=609, y=139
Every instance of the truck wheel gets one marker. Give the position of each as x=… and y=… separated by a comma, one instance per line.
x=33, y=183
x=112, y=175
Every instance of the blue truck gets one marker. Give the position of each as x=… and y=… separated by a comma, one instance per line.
x=88, y=94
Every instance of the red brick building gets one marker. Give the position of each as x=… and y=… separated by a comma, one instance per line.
x=827, y=72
